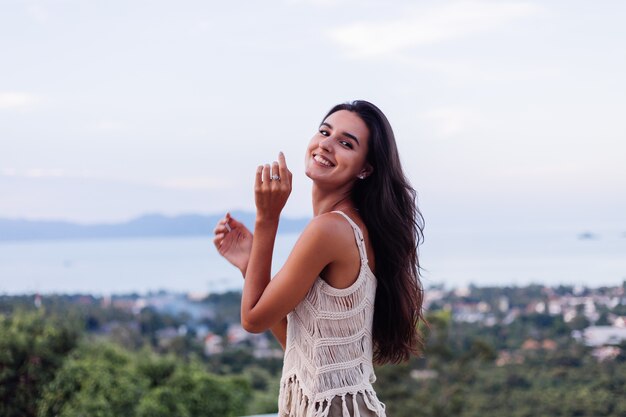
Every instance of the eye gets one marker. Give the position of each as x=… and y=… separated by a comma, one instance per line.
x=346, y=144
x=324, y=132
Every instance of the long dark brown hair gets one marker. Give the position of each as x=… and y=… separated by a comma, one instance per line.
x=388, y=206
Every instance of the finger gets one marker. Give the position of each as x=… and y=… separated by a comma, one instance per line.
x=258, y=178
x=217, y=241
x=266, y=174
x=281, y=159
x=235, y=224
x=222, y=228
x=284, y=171
x=227, y=220
x=222, y=225
x=275, y=170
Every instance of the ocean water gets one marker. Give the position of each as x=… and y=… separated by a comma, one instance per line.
x=113, y=266
x=522, y=257
x=191, y=264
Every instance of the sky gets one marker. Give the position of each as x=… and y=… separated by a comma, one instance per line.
x=506, y=113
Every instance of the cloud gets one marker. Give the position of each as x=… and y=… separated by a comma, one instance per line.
x=45, y=173
x=41, y=173
x=109, y=126
x=184, y=183
x=555, y=171
x=8, y=172
x=18, y=100
x=319, y=3
x=37, y=13
x=495, y=70
x=451, y=121
x=427, y=26
x=196, y=183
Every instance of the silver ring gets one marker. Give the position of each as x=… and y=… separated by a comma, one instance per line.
x=275, y=177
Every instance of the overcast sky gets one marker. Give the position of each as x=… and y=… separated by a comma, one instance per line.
x=510, y=112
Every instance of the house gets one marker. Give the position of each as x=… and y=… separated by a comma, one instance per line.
x=603, y=335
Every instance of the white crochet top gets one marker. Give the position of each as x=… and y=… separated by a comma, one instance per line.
x=329, y=346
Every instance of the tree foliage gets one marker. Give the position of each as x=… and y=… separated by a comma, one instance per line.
x=32, y=348
x=77, y=356
x=47, y=369
x=104, y=380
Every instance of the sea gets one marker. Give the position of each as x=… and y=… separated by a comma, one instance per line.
x=449, y=258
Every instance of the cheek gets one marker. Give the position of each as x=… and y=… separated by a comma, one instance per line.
x=311, y=146
x=363, y=156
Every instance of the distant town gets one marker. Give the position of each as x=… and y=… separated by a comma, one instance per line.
x=599, y=316
x=603, y=325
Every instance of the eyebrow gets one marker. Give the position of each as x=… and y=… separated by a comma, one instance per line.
x=349, y=135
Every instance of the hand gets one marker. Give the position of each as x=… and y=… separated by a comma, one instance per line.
x=233, y=241
x=270, y=195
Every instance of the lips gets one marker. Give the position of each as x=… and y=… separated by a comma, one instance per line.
x=322, y=160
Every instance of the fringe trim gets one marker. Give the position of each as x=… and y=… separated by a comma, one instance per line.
x=294, y=402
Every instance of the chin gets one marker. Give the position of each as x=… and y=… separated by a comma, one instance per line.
x=314, y=176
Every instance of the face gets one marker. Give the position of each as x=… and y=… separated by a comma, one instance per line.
x=337, y=152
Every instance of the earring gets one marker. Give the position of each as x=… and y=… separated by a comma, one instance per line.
x=361, y=176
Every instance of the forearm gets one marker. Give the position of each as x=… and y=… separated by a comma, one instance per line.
x=279, y=330
x=258, y=271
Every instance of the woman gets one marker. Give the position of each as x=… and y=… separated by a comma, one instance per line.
x=335, y=307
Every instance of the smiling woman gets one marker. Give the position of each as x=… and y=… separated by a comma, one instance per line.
x=336, y=154
x=349, y=294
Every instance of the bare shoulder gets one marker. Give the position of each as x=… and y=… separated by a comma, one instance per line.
x=327, y=221
x=329, y=225
x=328, y=232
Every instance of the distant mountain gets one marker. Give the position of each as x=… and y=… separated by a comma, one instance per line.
x=143, y=226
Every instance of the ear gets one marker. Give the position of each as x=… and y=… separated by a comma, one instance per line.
x=366, y=171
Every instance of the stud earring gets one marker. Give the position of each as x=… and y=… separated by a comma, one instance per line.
x=361, y=176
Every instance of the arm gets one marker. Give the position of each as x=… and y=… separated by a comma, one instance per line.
x=265, y=301
x=279, y=330
x=233, y=241
x=270, y=197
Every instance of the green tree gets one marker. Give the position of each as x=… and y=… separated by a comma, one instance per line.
x=103, y=380
x=97, y=380
x=32, y=348
x=191, y=391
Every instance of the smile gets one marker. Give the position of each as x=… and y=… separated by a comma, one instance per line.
x=322, y=161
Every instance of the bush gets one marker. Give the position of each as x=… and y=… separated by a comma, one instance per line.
x=104, y=380
x=32, y=348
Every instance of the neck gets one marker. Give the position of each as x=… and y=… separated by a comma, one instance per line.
x=325, y=201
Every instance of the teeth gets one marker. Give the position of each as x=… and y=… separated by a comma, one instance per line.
x=323, y=160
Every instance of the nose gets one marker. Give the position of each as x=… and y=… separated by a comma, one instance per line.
x=325, y=144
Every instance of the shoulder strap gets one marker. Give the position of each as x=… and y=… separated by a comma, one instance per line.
x=358, y=236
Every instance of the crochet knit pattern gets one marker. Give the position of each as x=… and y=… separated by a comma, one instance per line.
x=329, y=347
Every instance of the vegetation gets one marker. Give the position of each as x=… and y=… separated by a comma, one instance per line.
x=81, y=356
x=49, y=368
x=467, y=381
